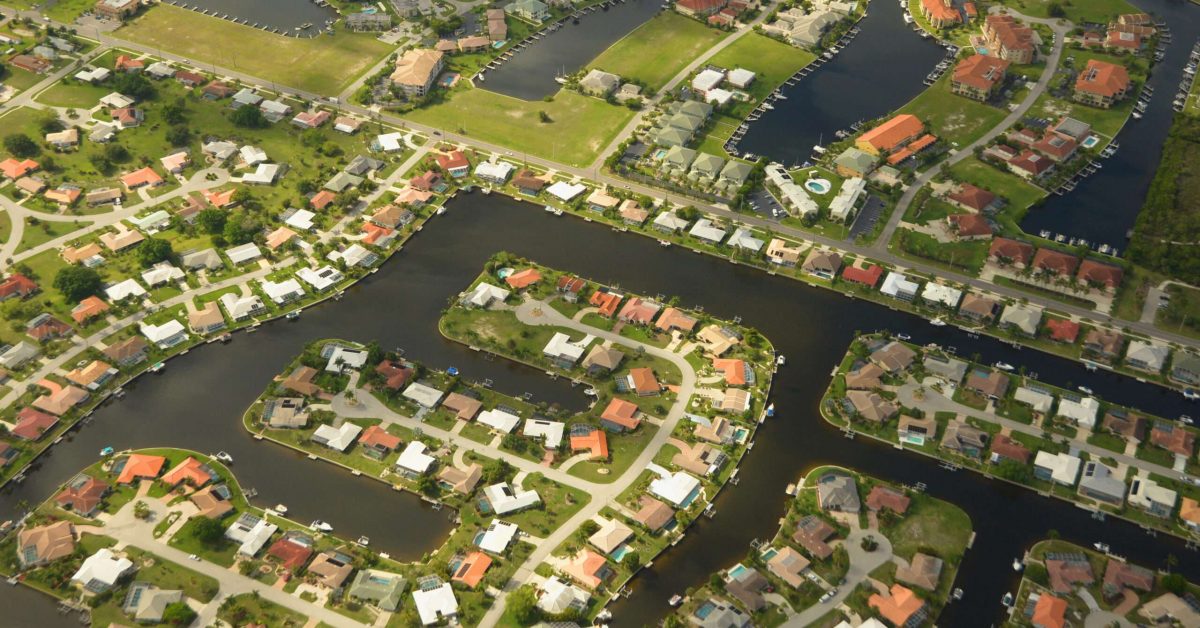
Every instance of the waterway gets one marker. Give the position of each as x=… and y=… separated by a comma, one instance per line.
x=284, y=15
x=529, y=74
x=880, y=70
x=1104, y=206
x=198, y=401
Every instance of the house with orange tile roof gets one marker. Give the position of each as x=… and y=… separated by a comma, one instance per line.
x=898, y=605
x=620, y=416
x=642, y=381
x=140, y=467
x=1062, y=330
x=279, y=237
x=523, y=278
x=222, y=199
x=1055, y=263
x=587, y=568
x=1009, y=39
x=606, y=302
x=978, y=77
x=674, y=318
x=376, y=442
x=590, y=439
x=321, y=199
x=1049, y=612
x=140, y=178
x=61, y=398
x=292, y=551
x=1189, y=513
x=1102, y=84
x=191, y=471
x=891, y=135
x=972, y=197
x=969, y=226
x=736, y=372
x=1005, y=251
x=940, y=13
x=15, y=169
x=82, y=495
x=92, y=376
x=471, y=569
x=17, y=285
x=88, y=308
x=377, y=235
x=31, y=424
x=638, y=311
x=65, y=195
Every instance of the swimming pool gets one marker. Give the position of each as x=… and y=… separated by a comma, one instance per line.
x=981, y=50
x=448, y=80
x=736, y=571
x=705, y=609
x=503, y=273
x=769, y=553
x=620, y=552
x=660, y=153
x=1091, y=141
x=740, y=434
x=818, y=186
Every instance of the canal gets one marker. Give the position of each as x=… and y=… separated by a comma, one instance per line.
x=1104, y=206
x=529, y=74
x=284, y=15
x=198, y=401
x=880, y=70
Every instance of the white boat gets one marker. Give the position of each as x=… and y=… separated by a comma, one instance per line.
x=664, y=243
x=771, y=410
x=1085, y=390
x=224, y=457
x=1004, y=366
x=1018, y=565
x=364, y=541
x=780, y=360
x=321, y=526
x=1101, y=547
x=937, y=322
x=1007, y=600
x=549, y=209
x=958, y=594
x=591, y=392
x=558, y=212
x=1185, y=419
x=293, y=315
x=904, y=337
x=280, y=509
x=1190, y=394
x=675, y=600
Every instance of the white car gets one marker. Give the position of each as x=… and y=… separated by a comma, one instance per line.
x=193, y=557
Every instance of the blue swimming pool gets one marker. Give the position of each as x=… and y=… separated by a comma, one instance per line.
x=981, y=50
x=660, y=153
x=704, y=610
x=818, y=186
x=737, y=570
x=1091, y=141
x=740, y=434
x=620, y=552
x=769, y=553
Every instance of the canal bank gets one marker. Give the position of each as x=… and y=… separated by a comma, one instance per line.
x=880, y=70
x=285, y=17
x=530, y=74
x=400, y=307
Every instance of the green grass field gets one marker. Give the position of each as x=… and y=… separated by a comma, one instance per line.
x=657, y=50
x=1018, y=194
x=1076, y=10
x=951, y=117
x=324, y=65
x=579, y=126
x=72, y=93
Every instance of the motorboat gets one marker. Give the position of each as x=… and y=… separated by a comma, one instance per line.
x=1185, y=419
x=675, y=600
x=771, y=410
x=958, y=593
x=664, y=243
x=107, y=451
x=780, y=360
x=558, y=212
x=1018, y=565
x=1003, y=366
x=937, y=322
x=224, y=457
x=1007, y=600
x=549, y=209
x=320, y=526
x=364, y=541
x=591, y=392
x=904, y=337
x=158, y=367
x=1190, y=394
x=293, y=315
x=1101, y=547
x=1085, y=390
x=280, y=509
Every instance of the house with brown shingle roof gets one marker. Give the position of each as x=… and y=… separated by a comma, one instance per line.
x=1005, y=251
x=1103, y=343
x=1104, y=276
x=653, y=514
x=882, y=497
x=866, y=377
x=978, y=308
x=1054, y=263
x=922, y=571
x=870, y=406
x=45, y=544
x=1005, y=447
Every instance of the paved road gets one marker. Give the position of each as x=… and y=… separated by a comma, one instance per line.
x=862, y=563
x=923, y=179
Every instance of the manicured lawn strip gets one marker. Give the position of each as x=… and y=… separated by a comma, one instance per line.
x=1078, y=11
x=1018, y=194
x=657, y=50
x=5, y=226
x=951, y=117
x=579, y=126
x=46, y=231
x=772, y=61
x=324, y=65
x=963, y=256
x=170, y=575
x=249, y=608
x=72, y=93
x=558, y=504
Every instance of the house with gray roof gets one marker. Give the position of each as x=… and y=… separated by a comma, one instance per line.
x=678, y=160
x=950, y=369
x=599, y=83
x=1186, y=368
x=838, y=492
x=207, y=258
x=1022, y=318
x=361, y=165
x=1100, y=482
x=706, y=167
x=17, y=355
x=734, y=174
x=146, y=603
x=854, y=162
x=670, y=136
x=379, y=588
x=245, y=97
x=342, y=181
x=1144, y=356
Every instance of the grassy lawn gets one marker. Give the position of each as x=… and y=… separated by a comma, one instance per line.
x=931, y=523
x=5, y=226
x=1182, y=314
x=46, y=231
x=324, y=65
x=1018, y=194
x=72, y=93
x=657, y=50
x=1076, y=10
x=185, y=541
x=169, y=575
x=579, y=126
x=965, y=256
x=249, y=608
x=773, y=62
x=951, y=117
x=559, y=503
x=623, y=449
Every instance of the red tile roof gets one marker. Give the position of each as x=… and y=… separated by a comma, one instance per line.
x=83, y=498
x=1106, y=275
x=17, y=285
x=378, y=438
x=970, y=225
x=971, y=196
x=622, y=413
x=1006, y=447
x=980, y=71
x=1018, y=252
x=868, y=276
x=32, y=424
x=322, y=199
x=472, y=569
x=291, y=554
x=395, y=374
x=139, y=466
x=454, y=161
x=594, y=441
x=1102, y=79
x=644, y=382
x=523, y=278
x=733, y=369
x=882, y=497
x=191, y=471
x=893, y=133
x=1050, y=612
x=1061, y=264
x=606, y=302
x=1062, y=330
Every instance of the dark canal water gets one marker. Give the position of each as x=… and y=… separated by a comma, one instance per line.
x=880, y=70
x=198, y=401
x=529, y=74
x=284, y=15
x=1105, y=205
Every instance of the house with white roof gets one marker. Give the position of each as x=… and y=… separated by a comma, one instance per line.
x=243, y=253
x=842, y=207
x=356, y=255
x=123, y=290
x=704, y=229
x=321, y=279
x=941, y=294
x=1148, y=495
x=264, y=174
x=793, y=194
x=1022, y=318
x=1035, y=397
x=282, y=292
x=152, y=221
x=252, y=155
x=743, y=238
x=101, y=571
x=161, y=273
x=494, y=171
x=500, y=420
x=424, y=396
x=342, y=358
x=498, y=537
x=337, y=438
x=707, y=79
x=559, y=597
x=435, y=604
x=413, y=460
x=301, y=219
x=251, y=532
x=167, y=335
x=1061, y=468
x=669, y=222
x=240, y=308
x=563, y=352
x=390, y=142
x=897, y=286
x=551, y=432
x=1144, y=356
x=565, y=191
x=740, y=78
x=1082, y=411
x=116, y=101
x=483, y=294
x=505, y=498
x=678, y=489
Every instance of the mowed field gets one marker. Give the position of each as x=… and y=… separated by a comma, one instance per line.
x=657, y=50
x=323, y=65
x=578, y=128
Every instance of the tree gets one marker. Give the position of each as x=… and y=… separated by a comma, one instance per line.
x=212, y=221
x=115, y=153
x=178, y=614
x=21, y=146
x=1054, y=9
x=633, y=560
x=544, y=117
x=248, y=118
x=154, y=250
x=208, y=531
x=1014, y=471
x=179, y=135
x=134, y=85
x=50, y=123
x=78, y=282
x=240, y=231
x=175, y=112
x=1175, y=583
x=496, y=471
x=522, y=603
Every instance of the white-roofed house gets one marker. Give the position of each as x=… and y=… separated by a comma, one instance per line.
x=743, y=238
x=161, y=273
x=423, y=395
x=565, y=191
x=390, y=142
x=1035, y=397
x=413, y=461
x=1082, y=411
x=1145, y=356
x=669, y=222
x=707, y=79
x=505, y=498
x=941, y=294
x=337, y=438
x=496, y=172
x=1022, y=318
x=101, y=571
x=563, y=352
x=483, y=294
x=842, y=207
x=897, y=286
x=321, y=279
x=240, y=308
x=123, y=290
x=678, y=489
x=301, y=219
x=243, y=253
x=499, y=419
x=1061, y=468
x=551, y=432
x=252, y=155
x=435, y=603
x=251, y=532
x=740, y=78
x=166, y=335
x=1148, y=495
x=152, y=221
x=282, y=292
x=559, y=597
x=342, y=358
x=498, y=536
x=704, y=229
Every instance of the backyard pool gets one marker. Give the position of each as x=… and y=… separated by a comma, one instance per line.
x=769, y=553
x=818, y=186
x=1091, y=141
x=659, y=154
x=620, y=552
x=736, y=571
